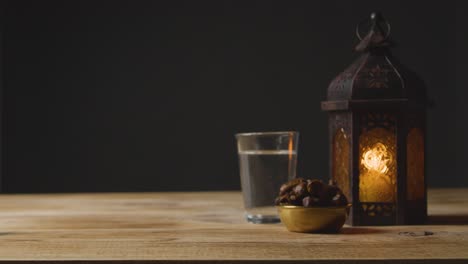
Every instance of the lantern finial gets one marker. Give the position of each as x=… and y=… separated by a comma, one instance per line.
x=377, y=36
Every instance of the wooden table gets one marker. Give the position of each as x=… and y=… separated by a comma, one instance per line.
x=209, y=226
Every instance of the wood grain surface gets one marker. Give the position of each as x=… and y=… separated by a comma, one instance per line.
x=209, y=227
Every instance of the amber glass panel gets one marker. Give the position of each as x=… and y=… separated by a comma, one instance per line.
x=415, y=166
x=341, y=161
x=377, y=165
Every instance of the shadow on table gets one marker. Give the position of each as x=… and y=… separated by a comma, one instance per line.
x=361, y=230
x=447, y=220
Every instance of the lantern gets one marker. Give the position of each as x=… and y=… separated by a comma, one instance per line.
x=377, y=134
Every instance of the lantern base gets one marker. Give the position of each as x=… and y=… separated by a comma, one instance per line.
x=373, y=214
x=382, y=214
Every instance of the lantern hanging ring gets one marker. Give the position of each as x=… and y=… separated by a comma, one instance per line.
x=375, y=20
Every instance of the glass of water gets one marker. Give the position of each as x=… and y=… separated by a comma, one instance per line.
x=266, y=160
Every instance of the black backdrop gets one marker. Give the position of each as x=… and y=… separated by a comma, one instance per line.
x=146, y=95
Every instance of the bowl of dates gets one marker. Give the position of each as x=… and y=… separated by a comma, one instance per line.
x=311, y=206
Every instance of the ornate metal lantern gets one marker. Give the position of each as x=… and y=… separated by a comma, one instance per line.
x=377, y=134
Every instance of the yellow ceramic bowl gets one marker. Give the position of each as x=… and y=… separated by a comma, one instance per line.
x=313, y=219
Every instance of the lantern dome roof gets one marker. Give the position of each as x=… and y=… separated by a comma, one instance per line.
x=375, y=76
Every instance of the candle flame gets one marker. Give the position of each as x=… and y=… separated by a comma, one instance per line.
x=377, y=158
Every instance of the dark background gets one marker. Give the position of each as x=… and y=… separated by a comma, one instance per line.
x=146, y=95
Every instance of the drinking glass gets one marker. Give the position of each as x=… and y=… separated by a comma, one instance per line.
x=266, y=161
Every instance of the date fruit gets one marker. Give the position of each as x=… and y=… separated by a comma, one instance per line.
x=310, y=193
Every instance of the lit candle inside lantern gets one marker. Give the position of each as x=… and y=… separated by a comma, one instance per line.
x=377, y=182
x=377, y=158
